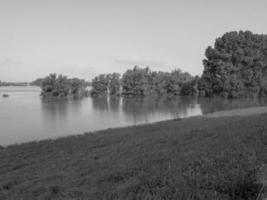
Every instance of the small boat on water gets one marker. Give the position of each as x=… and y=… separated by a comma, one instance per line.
x=5, y=95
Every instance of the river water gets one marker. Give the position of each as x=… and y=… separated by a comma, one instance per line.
x=25, y=116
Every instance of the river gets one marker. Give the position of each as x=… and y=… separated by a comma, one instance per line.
x=25, y=116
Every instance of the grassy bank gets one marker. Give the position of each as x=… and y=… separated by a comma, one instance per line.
x=197, y=158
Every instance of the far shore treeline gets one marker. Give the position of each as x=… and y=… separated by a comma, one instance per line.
x=4, y=84
x=236, y=66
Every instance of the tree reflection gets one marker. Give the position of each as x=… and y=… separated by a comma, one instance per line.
x=55, y=110
x=214, y=104
x=100, y=103
x=114, y=103
x=143, y=109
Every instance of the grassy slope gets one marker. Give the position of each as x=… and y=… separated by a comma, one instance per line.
x=198, y=158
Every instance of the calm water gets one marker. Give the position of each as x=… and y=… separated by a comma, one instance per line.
x=25, y=116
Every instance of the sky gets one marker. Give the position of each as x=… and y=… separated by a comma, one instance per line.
x=84, y=38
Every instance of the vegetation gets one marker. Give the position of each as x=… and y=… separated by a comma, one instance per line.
x=100, y=85
x=60, y=86
x=2, y=83
x=236, y=66
x=106, y=84
x=141, y=82
x=197, y=158
x=136, y=82
x=114, y=84
x=37, y=82
x=190, y=88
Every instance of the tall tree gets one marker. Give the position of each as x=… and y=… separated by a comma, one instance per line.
x=100, y=85
x=135, y=82
x=114, y=84
x=60, y=86
x=236, y=66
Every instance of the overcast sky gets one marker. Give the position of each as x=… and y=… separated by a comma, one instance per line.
x=83, y=38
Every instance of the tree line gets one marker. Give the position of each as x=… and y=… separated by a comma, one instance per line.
x=61, y=86
x=3, y=83
x=141, y=82
x=236, y=66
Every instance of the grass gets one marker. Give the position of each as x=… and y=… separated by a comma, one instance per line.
x=192, y=159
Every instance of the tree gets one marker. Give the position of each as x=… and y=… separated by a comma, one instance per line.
x=135, y=82
x=60, y=86
x=140, y=82
x=100, y=85
x=176, y=80
x=114, y=84
x=236, y=66
x=77, y=87
x=190, y=88
x=48, y=85
x=37, y=82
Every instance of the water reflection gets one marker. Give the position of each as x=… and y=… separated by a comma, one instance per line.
x=106, y=104
x=144, y=110
x=177, y=107
x=54, y=110
x=209, y=105
x=61, y=112
x=100, y=103
x=49, y=118
x=114, y=103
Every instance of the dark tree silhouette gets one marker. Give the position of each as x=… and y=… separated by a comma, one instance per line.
x=114, y=84
x=144, y=82
x=135, y=82
x=236, y=66
x=60, y=86
x=37, y=82
x=190, y=88
x=100, y=85
x=140, y=82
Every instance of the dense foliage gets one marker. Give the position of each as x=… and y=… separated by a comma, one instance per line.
x=144, y=82
x=114, y=84
x=60, y=86
x=140, y=82
x=106, y=84
x=37, y=82
x=236, y=66
x=190, y=88
x=136, y=82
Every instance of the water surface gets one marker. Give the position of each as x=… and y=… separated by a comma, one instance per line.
x=25, y=116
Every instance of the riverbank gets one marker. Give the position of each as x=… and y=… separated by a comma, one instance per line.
x=195, y=158
x=239, y=112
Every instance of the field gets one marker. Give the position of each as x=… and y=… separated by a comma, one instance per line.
x=197, y=158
